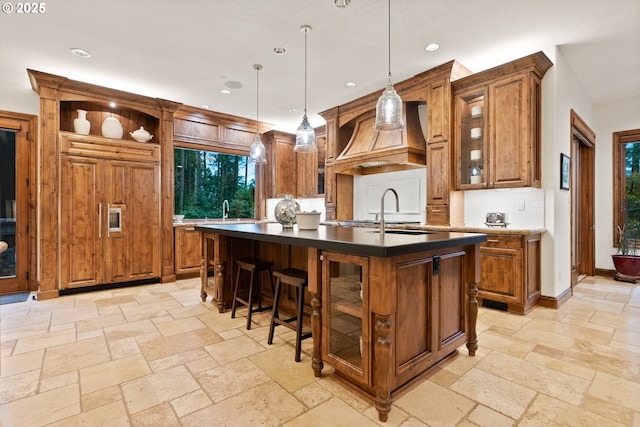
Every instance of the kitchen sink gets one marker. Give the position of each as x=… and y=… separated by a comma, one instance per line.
x=406, y=232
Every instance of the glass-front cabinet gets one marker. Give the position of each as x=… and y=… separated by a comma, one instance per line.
x=472, y=138
x=345, y=323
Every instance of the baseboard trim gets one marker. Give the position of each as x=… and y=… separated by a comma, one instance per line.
x=555, y=302
x=605, y=273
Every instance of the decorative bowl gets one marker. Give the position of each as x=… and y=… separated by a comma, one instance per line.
x=177, y=218
x=141, y=135
x=308, y=220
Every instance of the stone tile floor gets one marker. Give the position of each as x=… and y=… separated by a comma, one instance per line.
x=155, y=355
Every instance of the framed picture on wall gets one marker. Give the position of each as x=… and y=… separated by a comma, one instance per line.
x=565, y=171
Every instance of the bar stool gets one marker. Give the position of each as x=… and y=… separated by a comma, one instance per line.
x=254, y=266
x=298, y=280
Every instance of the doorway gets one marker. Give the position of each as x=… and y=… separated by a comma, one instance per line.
x=583, y=141
x=16, y=145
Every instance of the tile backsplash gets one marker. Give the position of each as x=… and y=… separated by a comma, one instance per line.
x=524, y=207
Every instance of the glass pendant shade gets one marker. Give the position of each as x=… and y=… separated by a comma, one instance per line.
x=257, y=152
x=389, y=110
x=389, y=106
x=305, y=137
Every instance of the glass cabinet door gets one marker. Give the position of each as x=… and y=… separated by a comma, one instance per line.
x=344, y=315
x=471, y=111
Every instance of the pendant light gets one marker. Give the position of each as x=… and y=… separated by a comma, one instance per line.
x=257, y=153
x=389, y=106
x=305, y=135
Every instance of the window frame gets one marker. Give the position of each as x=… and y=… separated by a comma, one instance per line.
x=620, y=139
x=218, y=150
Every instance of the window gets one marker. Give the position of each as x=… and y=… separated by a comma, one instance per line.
x=626, y=194
x=205, y=179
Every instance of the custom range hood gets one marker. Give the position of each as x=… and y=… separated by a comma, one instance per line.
x=370, y=151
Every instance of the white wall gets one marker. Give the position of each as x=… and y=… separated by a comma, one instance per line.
x=561, y=93
x=610, y=117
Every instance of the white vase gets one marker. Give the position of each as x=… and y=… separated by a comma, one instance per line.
x=111, y=128
x=81, y=125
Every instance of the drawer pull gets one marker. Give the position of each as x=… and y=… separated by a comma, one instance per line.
x=436, y=210
x=493, y=241
x=189, y=229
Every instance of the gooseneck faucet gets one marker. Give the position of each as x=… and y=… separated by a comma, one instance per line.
x=225, y=213
x=382, y=208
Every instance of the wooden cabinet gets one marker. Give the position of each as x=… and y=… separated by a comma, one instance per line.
x=294, y=173
x=510, y=271
x=110, y=211
x=345, y=317
x=281, y=163
x=497, y=125
x=404, y=314
x=188, y=244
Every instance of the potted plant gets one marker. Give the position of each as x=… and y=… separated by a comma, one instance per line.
x=627, y=260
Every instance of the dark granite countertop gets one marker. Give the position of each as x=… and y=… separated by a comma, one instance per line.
x=352, y=240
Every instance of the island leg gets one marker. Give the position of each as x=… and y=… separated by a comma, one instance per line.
x=316, y=332
x=220, y=272
x=382, y=366
x=472, y=342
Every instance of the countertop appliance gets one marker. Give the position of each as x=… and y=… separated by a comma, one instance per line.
x=496, y=219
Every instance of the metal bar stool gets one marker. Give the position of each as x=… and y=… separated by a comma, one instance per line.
x=298, y=280
x=254, y=266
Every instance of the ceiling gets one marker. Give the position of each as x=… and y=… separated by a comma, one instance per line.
x=188, y=51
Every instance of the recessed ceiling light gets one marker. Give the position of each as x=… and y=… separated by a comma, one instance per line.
x=280, y=50
x=293, y=110
x=225, y=91
x=80, y=52
x=351, y=84
x=112, y=104
x=205, y=106
x=432, y=47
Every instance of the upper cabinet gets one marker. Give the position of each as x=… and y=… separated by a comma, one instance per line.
x=497, y=125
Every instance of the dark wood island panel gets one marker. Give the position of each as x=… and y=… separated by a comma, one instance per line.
x=385, y=310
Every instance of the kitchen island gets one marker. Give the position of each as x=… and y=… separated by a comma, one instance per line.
x=385, y=310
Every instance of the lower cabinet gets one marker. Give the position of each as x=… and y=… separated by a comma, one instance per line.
x=401, y=315
x=188, y=247
x=510, y=272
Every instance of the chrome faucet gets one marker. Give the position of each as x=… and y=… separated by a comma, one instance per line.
x=382, y=208
x=225, y=213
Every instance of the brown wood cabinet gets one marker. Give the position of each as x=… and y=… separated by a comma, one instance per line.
x=510, y=271
x=188, y=244
x=498, y=125
x=281, y=163
x=110, y=211
x=422, y=310
x=291, y=172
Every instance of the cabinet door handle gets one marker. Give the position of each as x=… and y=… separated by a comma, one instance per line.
x=99, y=220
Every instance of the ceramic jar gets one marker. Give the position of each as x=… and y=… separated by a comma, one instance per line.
x=81, y=125
x=111, y=128
x=285, y=211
